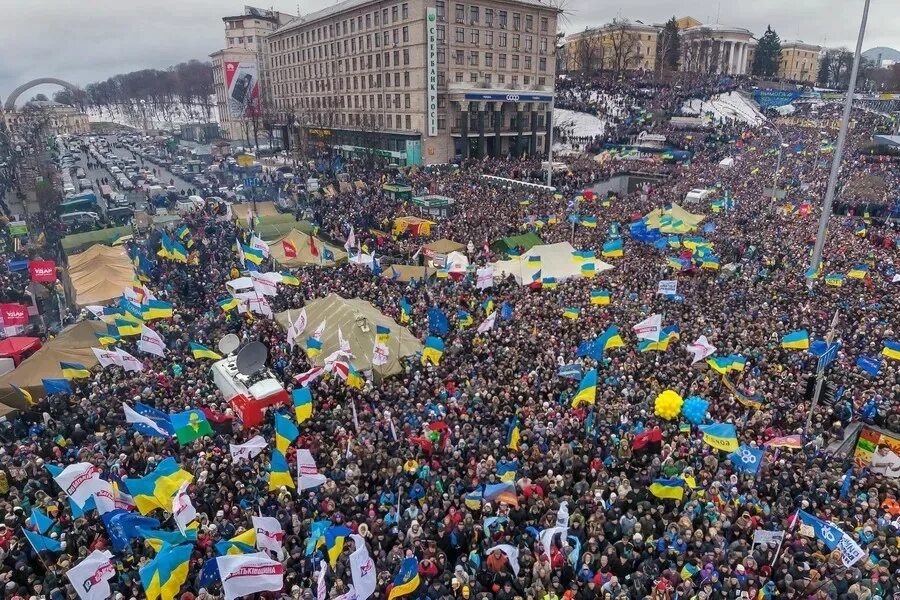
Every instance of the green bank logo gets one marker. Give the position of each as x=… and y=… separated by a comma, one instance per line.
x=432, y=16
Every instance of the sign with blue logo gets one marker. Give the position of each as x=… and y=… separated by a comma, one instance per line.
x=572, y=371
x=774, y=98
x=509, y=97
x=251, y=182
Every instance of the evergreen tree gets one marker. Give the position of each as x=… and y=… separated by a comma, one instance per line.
x=824, y=70
x=668, y=46
x=768, y=54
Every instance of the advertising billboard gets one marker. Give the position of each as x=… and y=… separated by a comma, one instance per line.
x=42, y=271
x=242, y=89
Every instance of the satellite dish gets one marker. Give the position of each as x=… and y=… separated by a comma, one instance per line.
x=229, y=343
x=251, y=358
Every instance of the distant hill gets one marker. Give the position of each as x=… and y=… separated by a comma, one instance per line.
x=885, y=52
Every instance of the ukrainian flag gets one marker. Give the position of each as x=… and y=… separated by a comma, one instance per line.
x=613, y=249
x=313, y=347
x=126, y=328
x=610, y=339
x=242, y=543
x=405, y=310
x=157, y=538
x=549, y=283
x=858, y=272
x=796, y=340
x=252, y=255
x=335, y=536
x=649, y=345
x=285, y=432
x=201, y=351
x=179, y=252
x=464, y=319
x=601, y=297
x=813, y=272
x=156, y=309
x=534, y=261
x=227, y=304
x=303, y=406
x=506, y=471
x=721, y=436
x=590, y=222
x=710, y=262
x=488, y=306
x=668, y=489
x=165, y=250
x=442, y=273
x=288, y=279
x=280, y=473
x=513, y=434
x=861, y=230
x=673, y=242
x=736, y=362
x=74, y=370
x=835, y=279
x=434, y=349
x=163, y=576
x=587, y=389
x=588, y=270
x=24, y=393
x=571, y=313
x=688, y=571
x=891, y=349
x=719, y=364
x=354, y=378
x=156, y=489
x=105, y=339
x=407, y=580
x=675, y=263
x=182, y=232
x=580, y=256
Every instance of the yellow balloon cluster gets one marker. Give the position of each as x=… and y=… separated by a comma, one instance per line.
x=668, y=405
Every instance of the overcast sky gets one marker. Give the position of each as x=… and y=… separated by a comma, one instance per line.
x=92, y=40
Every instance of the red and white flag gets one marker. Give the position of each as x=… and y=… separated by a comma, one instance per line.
x=182, y=508
x=90, y=577
x=80, y=481
x=246, y=574
x=304, y=379
x=307, y=471
x=248, y=449
x=269, y=535
x=701, y=349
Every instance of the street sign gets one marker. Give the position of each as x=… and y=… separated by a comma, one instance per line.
x=251, y=182
x=828, y=356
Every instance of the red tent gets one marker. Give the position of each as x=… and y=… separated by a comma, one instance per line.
x=19, y=348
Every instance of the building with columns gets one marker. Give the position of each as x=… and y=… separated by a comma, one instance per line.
x=716, y=49
x=418, y=81
x=799, y=61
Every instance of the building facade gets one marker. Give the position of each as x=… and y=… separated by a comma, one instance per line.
x=799, y=61
x=418, y=81
x=618, y=46
x=52, y=117
x=245, y=45
x=717, y=49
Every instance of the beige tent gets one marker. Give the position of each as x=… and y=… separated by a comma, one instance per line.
x=356, y=320
x=72, y=345
x=556, y=262
x=304, y=256
x=406, y=273
x=673, y=220
x=443, y=246
x=262, y=209
x=97, y=275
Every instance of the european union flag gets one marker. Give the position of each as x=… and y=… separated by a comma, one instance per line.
x=160, y=418
x=506, y=311
x=57, y=386
x=437, y=321
x=747, y=459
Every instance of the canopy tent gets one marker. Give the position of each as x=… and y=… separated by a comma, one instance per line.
x=97, y=275
x=406, y=273
x=75, y=242
x=457, y=262
x=16, y=347
x=357, y=320
x=525, y=240
x=556, y=262
x=414, y=225
x=442, y=246
x=72, y=345
x=305, y=256
x=673, y=220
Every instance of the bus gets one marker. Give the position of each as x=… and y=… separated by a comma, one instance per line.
x=84, y=202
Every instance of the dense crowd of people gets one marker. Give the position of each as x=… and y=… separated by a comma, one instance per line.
x=406, y=498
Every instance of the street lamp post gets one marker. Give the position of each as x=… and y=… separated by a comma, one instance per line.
x=839, y=147
x=550, y=147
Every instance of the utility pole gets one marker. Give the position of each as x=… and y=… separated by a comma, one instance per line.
x=550, y=151
x=839, y=148
x=821, y=365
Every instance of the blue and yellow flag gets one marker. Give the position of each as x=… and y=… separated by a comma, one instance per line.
x=280, y=472
x=285, y=432
x=796, y=340
x=201, y=351
x=710, y=262
x=433, y=351
x=354, y=377
x=891, y=349
x=110, y=337
x=72, y=370
x=303, y=406
x=127, y=328
x=549, y=283
x=405, y=310
x=835, y=279
x=600, y=297
x=506, y=471
x=242, y=543
x=721, y=436
x=407, y=580
x=590, y=222
x=513, y=434
x=571, y=312
x=156, y=309
x=588, y=270
x=335, y=536
x=289, y=279
x=382, y=334
x=163, y=576
x=227, y=304
x=156, y=489
x=26, y=395
x=858, y=272
x=313, y=347
x=464, y=319
x=609, y=339
x=613, y=248
x=668, y=489
x=252, y=255
x=534, y=261
x=157, y=538
x=587, y=389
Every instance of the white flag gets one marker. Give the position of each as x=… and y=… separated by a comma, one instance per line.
x=362, y=569
x=90, y=577
x=343, y=344
x=380, y=354
x=321, y=590
x=257, y=243
x=260, y=306
x=309, y=476
x=151, y=342
x=263, y=284
x=546, y=537
x=248, y=449
x=269, y=535
x=488, y=323
x=701, y=349
x=80, y=481
x=393, y=429
x=245, y=574
x=304, y=379
x=107, y=357
x=484, y=278
x=896, y=279
x=562, y=515
x=512, y=553
x=129, y=362
x=96, y=310
x=133, y=417
x=649, y=328
x=319, y=332
x=351, y=240
x=183, y=510
x=240, y=252
x=301, y=322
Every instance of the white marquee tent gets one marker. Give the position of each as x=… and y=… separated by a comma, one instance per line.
x=556, y=261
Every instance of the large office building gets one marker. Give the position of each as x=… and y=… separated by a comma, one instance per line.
x=240, y=77
x=418, y=81
x=52, y=117
x=799, y=61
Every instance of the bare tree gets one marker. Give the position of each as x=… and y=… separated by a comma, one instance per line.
x=587, y=53
x=625, y=48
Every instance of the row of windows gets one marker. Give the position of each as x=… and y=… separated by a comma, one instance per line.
x=342, y=28
x=474, y=60
x=365, y=62
x=475, y=38
x=354, y=83
x=459, y=77
x=474, y=16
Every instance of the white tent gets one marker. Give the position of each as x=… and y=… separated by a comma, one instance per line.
x=457, y=262
x=726, y=162
x=556, y=261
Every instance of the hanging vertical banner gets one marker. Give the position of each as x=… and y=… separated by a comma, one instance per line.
x=431, y=36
